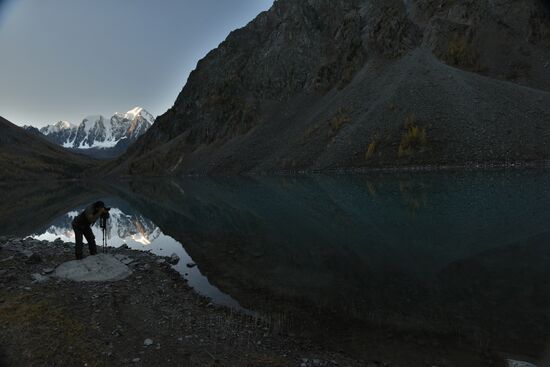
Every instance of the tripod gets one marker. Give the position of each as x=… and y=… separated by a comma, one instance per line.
x=103, y=225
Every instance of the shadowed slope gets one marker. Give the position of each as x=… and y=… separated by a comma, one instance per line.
x=26, y=156
x=328, y=84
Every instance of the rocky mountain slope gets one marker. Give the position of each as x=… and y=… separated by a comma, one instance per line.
x=27, y=156
x=98, y=136
x=322, y=84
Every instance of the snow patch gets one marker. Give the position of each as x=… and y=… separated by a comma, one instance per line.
x=513, y=363
x=100, y=144
x=57, y=127
x=133, y=113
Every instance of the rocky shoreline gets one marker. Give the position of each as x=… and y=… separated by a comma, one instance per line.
x=152, y=317
x=466, y=166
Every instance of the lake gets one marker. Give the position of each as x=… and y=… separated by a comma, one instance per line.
x=450, y=259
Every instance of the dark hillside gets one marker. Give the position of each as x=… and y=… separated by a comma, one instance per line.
x=325, y=84
x=26, y=156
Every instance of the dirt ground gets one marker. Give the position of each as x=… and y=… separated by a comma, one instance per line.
x=152, y=318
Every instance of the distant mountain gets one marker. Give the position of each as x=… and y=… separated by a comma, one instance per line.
x=26, y=155
x=325, y=84
x=98, y=136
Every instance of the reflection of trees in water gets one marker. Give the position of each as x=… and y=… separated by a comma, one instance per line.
x=371, y=189
x=414, y=193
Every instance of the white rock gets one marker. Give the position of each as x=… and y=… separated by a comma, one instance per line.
x=98, y=268
x=39, y=278
x=147, y=342
x=513, y=363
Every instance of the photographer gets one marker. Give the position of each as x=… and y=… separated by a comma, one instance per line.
x=82, y=227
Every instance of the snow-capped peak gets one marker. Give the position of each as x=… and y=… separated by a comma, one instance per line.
x=63, y=125
x=134, y=113
x=96, y=131
x=57, y=128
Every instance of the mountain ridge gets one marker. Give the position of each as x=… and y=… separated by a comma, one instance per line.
x=27, y=156
x=322, y=85
x=98, y=136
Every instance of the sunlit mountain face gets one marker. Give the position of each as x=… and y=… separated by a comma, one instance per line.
x=126, y=226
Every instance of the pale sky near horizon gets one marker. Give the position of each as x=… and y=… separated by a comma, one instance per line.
x=67, y=59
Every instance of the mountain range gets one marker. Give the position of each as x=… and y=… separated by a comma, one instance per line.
x=98, y=136
x=322, y=85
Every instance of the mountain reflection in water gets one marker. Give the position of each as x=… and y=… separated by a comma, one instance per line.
x=126, y=226
x=442, y=256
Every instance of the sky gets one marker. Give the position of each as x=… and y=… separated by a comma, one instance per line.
x=68, y=59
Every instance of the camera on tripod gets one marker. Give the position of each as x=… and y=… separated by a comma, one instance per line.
x=103, y=218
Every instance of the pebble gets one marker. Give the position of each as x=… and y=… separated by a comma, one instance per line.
x=33, y=259
x=136, y=360
x=174, y=259
x=39, y=278
x=147, y=342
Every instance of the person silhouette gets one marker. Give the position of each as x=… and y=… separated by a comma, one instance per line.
x=82, y=227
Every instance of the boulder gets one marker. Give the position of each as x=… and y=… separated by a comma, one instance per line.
x=98, y=268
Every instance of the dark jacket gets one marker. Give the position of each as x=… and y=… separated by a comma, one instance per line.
x=87, y=218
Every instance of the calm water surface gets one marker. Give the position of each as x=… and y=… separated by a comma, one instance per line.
x=453, y=257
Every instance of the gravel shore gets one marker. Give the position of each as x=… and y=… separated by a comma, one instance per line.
x=150, y=318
